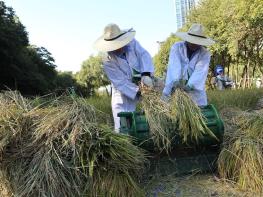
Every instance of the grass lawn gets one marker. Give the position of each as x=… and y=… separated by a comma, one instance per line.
x=243, y=99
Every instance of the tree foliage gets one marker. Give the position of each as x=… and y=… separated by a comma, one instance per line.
x=161, y=58
x=237, y=28
x=91, y=74
x=29, y=69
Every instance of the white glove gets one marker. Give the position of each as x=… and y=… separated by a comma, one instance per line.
x=146, y=80
x=229, y=82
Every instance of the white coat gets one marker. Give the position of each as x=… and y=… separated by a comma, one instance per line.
x=195, y=71
x=119, y=71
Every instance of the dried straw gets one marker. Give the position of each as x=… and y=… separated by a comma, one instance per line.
x=66, y=149
x=241, y=160
x=190, y=120
x=181, y=116
x=157, y=114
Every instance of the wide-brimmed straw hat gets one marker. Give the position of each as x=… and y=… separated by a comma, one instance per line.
x=113, y=38
x=196, y=35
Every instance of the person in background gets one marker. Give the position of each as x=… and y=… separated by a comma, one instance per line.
x=258, y=83
x=124, y=58
x=222, y=81
x=188, y=65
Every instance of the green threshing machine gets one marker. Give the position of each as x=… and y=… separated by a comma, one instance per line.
x=183, y=158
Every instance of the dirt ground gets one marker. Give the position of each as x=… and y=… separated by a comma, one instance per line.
x=193, y=186
x=171, y=186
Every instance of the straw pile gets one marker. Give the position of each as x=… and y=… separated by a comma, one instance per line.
x=65, y=148
x=241, y=159
x=181, y=116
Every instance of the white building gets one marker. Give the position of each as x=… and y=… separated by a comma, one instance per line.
x=182, y=8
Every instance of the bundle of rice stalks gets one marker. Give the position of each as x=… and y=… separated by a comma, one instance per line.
x=69, y=151
x=190, y=120
x=112, y=163
x=157, y=113
x=251, y=123
x=181, y=116
x=12, y=119
x=241, y=160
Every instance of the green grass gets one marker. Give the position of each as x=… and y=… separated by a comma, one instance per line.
x=102, y=103
x=243, y=99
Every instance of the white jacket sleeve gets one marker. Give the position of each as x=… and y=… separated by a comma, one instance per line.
x=144, y=57
x=198, y=77
x=120, y=81
x=173, y=70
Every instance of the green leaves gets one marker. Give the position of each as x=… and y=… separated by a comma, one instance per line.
x=29, y=69
x=162, y=57
x=91, y=74
x=237, y=28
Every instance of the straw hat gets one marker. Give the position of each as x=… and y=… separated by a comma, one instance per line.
x=195, y=35
x=113, y=38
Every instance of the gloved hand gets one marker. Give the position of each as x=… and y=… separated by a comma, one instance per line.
x=165, y=98
x=138, y=95
x=229, y=82
x=146, y=80
x=176, y=85
x=187, y=88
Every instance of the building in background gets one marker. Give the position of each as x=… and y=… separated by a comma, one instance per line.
x=182, y=8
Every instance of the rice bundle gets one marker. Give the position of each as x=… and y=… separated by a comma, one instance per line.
x=12, y=119
x=190, y=120
x=113, y=164
x=241, y=160
x=68, y=150
x=181, y=116
x=157, y=115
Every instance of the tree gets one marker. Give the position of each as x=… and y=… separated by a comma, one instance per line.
x=162, y=57
x=237, y=28
x=27, y=68
x=13, y=38
x=92, y=75
x=236, y=25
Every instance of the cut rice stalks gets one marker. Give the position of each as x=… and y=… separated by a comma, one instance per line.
x=157, y=115
x=12, y=116
x=180, y=116
x=190, y=120
x=241, y=160
x=67, y=149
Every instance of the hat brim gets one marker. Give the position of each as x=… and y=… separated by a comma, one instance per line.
x=106, y=46
x=195, y=39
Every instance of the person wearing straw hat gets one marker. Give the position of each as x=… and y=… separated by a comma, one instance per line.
x=221, y=80
x=124, y=58
x=188, y=65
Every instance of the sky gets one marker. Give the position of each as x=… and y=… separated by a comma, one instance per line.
x=68, y=28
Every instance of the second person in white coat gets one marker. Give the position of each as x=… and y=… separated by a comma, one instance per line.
x=188, y=65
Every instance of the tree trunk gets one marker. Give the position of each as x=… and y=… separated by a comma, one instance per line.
x=248, y=80
x=244, y=77
x=237, y=70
